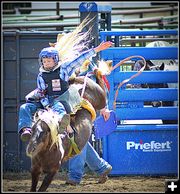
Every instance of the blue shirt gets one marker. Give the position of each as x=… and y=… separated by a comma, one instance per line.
x=66, y=70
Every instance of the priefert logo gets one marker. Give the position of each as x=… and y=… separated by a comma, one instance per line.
x=149, y=146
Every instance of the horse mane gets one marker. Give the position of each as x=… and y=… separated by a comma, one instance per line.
x=51, y=119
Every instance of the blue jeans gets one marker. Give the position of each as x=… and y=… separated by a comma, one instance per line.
x=27, y=110
x=91, y=158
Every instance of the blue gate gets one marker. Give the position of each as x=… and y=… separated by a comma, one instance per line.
x=142, y=146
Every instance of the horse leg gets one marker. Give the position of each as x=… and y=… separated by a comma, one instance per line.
x=35, y=173
x=47, y=180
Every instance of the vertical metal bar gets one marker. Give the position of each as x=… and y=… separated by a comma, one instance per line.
x=108, y=24
x=103, y=21
x=57, y=8
x=116, y=39
x=141, y=44
x=3, y=96
x=58, y=13
x=108, y=19
x=18, y=94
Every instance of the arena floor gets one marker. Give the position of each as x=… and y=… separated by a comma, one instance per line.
x=21, y=182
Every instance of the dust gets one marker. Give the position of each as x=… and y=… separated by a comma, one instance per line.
x=21, y=182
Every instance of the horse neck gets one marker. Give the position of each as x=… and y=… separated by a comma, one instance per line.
x=49, y=140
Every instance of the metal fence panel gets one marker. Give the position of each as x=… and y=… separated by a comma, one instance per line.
x=20, y=69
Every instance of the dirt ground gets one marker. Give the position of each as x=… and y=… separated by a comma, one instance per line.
x=21, y=182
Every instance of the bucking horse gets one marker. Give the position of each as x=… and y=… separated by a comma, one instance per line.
x=47, y=147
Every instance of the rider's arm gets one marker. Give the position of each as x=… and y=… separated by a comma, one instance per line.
x=68, y=68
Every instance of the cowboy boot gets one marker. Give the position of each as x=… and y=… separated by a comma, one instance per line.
x=26, y=134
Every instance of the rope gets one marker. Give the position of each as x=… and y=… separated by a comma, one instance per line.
x=85, y=82
x=73, y=146
x=127, y=80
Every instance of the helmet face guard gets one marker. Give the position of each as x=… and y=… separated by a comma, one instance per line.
x=49, y=52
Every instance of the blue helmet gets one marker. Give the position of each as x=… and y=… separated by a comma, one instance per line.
x=47, y=53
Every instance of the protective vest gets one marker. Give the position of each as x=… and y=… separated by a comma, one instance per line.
x=55, y=85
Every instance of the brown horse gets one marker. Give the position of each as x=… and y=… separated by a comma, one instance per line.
x=47, y=148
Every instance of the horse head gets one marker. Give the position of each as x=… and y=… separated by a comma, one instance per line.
x=44, y=132
x=169, y=64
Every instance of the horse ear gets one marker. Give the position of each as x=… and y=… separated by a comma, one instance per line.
x=36, y=116
x=149, y=62
x=162, y=66
x=148, y=65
